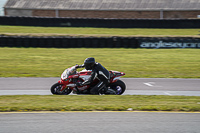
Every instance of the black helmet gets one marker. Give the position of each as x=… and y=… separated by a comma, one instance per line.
x=89, y=63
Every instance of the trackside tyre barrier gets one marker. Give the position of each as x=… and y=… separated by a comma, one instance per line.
x=99, y=42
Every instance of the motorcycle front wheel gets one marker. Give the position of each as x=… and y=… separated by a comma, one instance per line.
x=55, y=89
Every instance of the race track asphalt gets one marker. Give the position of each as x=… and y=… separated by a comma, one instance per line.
x=100, y=122
x=135, y=86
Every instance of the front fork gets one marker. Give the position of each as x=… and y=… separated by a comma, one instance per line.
x=61, y=82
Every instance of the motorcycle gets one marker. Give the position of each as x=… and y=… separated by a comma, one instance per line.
x=71, y=76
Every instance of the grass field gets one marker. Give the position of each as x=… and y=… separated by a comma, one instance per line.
x=99, y=103
x=45, y=31
x=140, y=63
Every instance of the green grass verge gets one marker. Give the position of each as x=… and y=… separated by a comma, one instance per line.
x=138, y=63
x=42, y=31
x=99, y=103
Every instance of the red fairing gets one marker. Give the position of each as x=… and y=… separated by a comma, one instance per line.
x=114, y=75
x=73, y=76
x=60, y=81
x=122, y=74
x=85, y=73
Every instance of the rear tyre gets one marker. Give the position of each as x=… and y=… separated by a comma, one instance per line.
x=119, y=86
x=110, y=92
x=55, y=89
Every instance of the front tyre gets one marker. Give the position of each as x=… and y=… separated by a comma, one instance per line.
x=119, y=86
x=55, y=89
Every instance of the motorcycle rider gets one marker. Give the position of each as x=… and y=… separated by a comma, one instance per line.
x=99, y=72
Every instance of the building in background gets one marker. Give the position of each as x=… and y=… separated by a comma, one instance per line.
x=104, y=8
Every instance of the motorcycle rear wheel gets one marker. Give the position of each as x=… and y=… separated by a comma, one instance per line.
x=55, y=89
x=110, y=92
x=118, y=86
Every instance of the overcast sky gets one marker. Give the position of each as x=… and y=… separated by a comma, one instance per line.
x=2, y=3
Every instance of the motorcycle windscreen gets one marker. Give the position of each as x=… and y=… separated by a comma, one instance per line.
x=68, y=72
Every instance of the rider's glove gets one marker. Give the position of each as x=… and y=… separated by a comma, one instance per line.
x=77, y=66
x=79, y=84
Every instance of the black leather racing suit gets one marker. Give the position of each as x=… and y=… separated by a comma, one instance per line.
x=100, y=73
